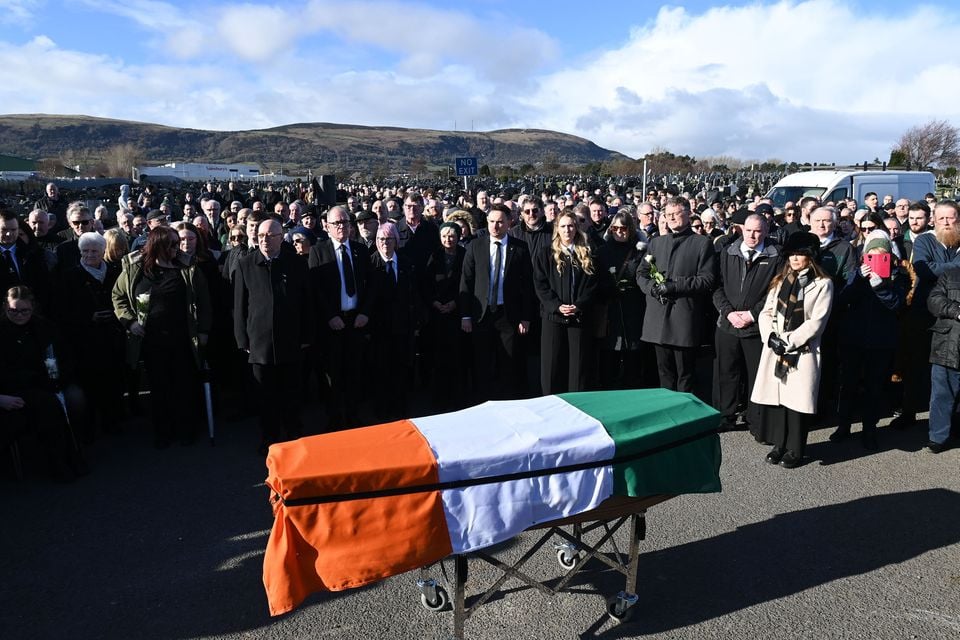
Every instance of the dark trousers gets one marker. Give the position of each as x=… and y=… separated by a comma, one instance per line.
x=278, y=400
x=497, y=359
x=564, y=357
x=737, y=362
x=174, y=388
x=42, y=416
x=869, y=369
x=677, y=367
x=621, y=369
x=396, y=351
x=915, y=361
x=344, y=352
x=786, y=428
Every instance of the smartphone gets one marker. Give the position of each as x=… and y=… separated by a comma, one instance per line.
x=879, y=263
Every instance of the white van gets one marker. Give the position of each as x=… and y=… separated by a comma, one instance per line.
x=831, y=186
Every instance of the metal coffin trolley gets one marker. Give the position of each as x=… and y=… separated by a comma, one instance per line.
x=357, y=506
x=573, y=554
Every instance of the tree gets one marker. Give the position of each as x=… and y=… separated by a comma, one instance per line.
x=121, y=158
x=935, y=144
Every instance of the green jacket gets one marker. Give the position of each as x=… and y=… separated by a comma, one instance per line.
x=199, y=313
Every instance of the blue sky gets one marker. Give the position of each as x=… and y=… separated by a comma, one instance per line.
x=813, y=80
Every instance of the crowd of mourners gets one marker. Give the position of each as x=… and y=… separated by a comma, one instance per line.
x=812, y=314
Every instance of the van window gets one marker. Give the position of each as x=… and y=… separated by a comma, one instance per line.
x=836, y=195
x=783, y=195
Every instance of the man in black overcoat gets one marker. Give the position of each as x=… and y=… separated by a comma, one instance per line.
x=273, y=323
x=676, y=307
x=497, y=307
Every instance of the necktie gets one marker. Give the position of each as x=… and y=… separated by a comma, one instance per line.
x=349, y=280
x=495, y=288
x=750, y=254
x=391, y=274
x=573, y=275
x=9, y=265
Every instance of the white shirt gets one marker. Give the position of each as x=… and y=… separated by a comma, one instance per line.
x=493, y=264
x=744, y=250
x=347, y=303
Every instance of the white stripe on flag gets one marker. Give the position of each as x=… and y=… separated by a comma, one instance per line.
x=498, y=438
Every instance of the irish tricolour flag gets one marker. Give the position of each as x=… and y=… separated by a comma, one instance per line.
x=356, y=506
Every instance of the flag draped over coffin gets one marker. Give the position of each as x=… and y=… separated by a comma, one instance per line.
x=353, y=507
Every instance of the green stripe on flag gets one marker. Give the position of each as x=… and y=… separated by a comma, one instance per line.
x=642, y=419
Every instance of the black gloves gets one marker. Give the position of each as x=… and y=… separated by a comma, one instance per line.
x=661, y=290
x=777, y=344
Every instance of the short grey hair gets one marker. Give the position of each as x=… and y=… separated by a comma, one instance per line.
x=92, y=240
x=831, y=210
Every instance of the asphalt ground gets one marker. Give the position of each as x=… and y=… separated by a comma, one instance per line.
x=169, y=545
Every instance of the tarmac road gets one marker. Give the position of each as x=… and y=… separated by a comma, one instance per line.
x=168, y=545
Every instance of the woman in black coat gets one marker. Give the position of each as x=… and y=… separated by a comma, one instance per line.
x=619, y=344
x=32, y=374
x=85, y=313
x=566, y=281
x=447, y=343
x=868, y=340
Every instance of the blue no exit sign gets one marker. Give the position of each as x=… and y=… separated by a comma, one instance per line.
x=466, y=166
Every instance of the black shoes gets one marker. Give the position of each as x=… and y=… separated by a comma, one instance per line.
x=774, y=456
x=790, y=461
x=729, y=424
x=868, y=438
x=841, y=434
x=937, y=447
x=903, y=421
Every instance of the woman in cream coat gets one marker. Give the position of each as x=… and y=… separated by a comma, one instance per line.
x=791, y=326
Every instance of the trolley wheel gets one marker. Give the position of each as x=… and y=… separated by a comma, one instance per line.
x=618, y=612
x=442, y=602
x=567, y=560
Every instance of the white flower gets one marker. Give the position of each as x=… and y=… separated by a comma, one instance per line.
x=143, y=299
x=613, y=270
x=649, y=258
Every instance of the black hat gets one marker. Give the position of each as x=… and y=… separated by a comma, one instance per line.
x=740, y=216
x=763, y=209
x=802, y=243
x=363, y=216
x=155, y=214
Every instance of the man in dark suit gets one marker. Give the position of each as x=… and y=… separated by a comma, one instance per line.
x=497, y=302
x=747, y=265
x=676, y=308
x=345, y=294
x=20, y=265
x=394, y=323
x=418, y=238
x=272, y=323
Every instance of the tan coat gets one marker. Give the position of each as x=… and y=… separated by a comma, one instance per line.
x=799, y=390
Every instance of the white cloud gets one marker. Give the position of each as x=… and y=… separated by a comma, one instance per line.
x=17, y=11
x=764, y=80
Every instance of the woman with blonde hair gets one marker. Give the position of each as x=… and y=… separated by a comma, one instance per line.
x=117, y=246
x=566, y=280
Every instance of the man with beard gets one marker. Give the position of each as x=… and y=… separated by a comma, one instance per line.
x=533, y=229
x=918, y=220
x=676, y=307
x=933, y=255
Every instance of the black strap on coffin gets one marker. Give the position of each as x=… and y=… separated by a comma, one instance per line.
x=473, y=482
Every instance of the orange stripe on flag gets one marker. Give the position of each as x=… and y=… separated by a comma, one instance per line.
x=348, y=544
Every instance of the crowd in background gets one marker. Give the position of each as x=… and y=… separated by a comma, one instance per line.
x=378, y=300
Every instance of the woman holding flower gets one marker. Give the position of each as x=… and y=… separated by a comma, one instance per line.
x=566, y=278
x=165, y=306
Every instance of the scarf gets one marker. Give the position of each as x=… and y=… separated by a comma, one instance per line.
x=790, y=308
x=100, y=273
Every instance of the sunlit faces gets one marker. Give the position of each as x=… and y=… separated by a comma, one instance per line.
x=799, y=262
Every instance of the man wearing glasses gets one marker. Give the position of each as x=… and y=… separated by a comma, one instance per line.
x=533, y=228
x=273, y=324
x=81, y=221
x=345, y=294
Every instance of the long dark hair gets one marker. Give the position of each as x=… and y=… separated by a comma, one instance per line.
x=159, y=242
x=817, y=270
